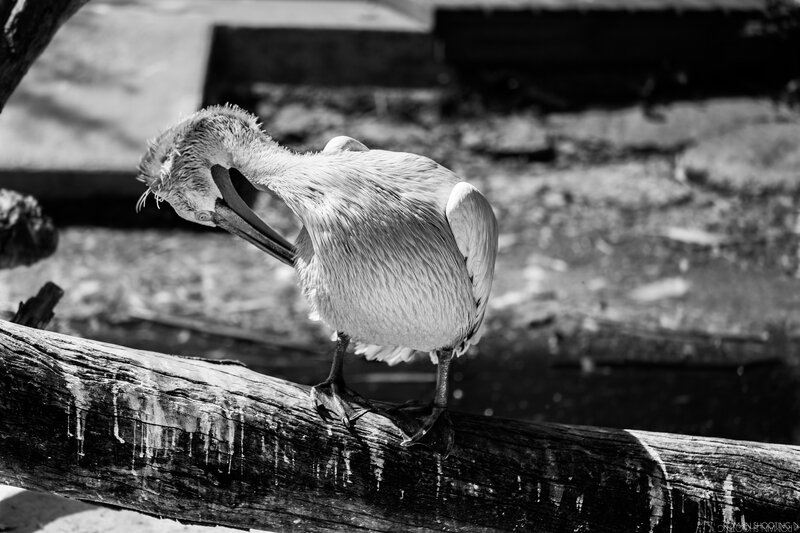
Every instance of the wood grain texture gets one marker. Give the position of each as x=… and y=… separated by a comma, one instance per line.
x=223, y=445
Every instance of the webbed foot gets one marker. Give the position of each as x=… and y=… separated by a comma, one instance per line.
x=434, y=431
x=411, y=408
x=333, y=400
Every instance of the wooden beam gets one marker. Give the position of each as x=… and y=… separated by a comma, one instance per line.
x=213, y=444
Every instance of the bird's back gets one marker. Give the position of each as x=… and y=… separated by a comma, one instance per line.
x=377, y=258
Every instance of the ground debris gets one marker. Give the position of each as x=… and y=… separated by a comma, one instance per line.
x=679, y=125
x=694, y=236
x=505, y=136
x=660, y=290
x=751, y=160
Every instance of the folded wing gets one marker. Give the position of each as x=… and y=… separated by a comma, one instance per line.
x=474, y=227
x=343, y=144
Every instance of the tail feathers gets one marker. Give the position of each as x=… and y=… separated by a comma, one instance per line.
x=393, y=355
x=390, y=355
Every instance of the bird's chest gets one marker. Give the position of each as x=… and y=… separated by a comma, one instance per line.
x=396, y=282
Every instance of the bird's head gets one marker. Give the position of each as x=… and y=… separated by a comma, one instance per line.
x=190, y=165
x=177, y=164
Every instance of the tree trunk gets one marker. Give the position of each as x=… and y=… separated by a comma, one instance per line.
x=28, y=29
x=214, y=444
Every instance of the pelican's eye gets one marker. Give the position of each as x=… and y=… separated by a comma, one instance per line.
x=204, y=216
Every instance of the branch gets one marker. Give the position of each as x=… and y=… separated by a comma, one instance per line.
x=219, y=330
x=26, y=235
x=223, y=445
x=37, y=311
x=26, y=33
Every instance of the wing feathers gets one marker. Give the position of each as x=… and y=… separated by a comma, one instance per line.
x=342, y=144
x=474, y=227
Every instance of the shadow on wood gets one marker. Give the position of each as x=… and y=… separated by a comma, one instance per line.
x=29, y=512
x=199, y=442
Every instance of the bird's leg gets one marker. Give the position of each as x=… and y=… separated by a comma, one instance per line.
x=333, y=398
x=436, y=429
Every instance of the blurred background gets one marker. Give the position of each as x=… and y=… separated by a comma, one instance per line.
x=642, y=158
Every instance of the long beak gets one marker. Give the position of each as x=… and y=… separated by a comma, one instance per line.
x=233, y=215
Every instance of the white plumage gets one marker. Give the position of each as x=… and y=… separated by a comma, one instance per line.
x=396, y=251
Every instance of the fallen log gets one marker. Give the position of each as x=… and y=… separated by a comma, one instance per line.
x=204, y=443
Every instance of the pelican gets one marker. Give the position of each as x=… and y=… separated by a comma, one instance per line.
x=396, y=253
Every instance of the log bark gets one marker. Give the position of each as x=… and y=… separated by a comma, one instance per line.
x=28, y=28
x=26, y=235
x=223, y=445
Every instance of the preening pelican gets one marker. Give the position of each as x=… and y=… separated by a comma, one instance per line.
x=396, y=252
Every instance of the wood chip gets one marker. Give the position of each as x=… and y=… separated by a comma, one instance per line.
x=696, y=237
x=661, y=290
